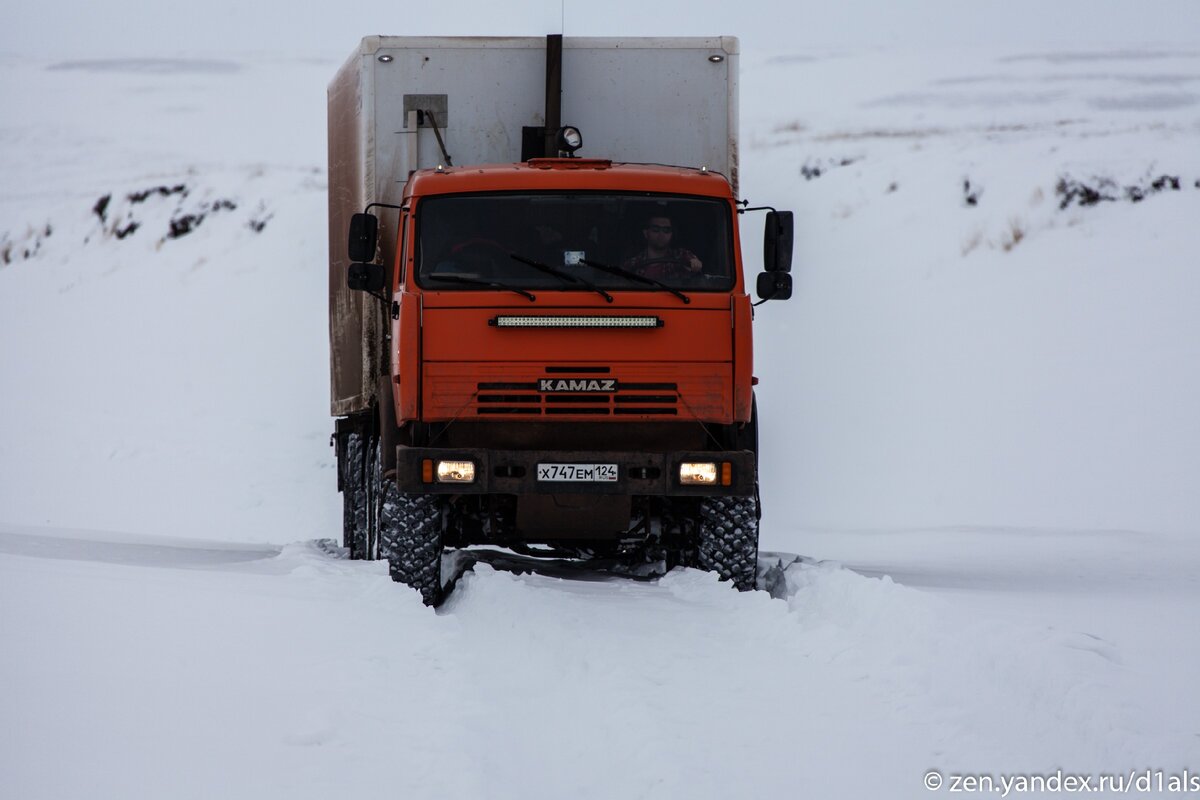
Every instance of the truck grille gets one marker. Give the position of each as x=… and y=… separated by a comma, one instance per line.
x=524, y=399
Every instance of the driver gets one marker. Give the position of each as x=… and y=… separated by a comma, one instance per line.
x=658, y=259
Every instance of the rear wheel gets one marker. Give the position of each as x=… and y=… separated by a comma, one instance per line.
x=728, y=539
x=410, y=538
x=354, y=495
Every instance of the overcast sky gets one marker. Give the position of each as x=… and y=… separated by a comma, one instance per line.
x=79, y=29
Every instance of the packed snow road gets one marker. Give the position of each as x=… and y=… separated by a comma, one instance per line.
x=298, y=673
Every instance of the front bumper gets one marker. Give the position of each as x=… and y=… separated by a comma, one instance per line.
x=515, y=472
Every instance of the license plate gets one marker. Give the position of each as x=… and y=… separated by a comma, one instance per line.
x=577, y=473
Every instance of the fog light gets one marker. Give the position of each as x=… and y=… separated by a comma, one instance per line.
x=698, y=473
x=456, y=471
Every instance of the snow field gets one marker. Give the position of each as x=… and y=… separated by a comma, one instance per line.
x=934, y=367
x=300, y=673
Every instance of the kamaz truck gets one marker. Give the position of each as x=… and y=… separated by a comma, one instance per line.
x=540, y=325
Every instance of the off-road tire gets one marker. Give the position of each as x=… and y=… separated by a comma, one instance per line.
x=354, y=496
x=375, y=491
x=728, y=539
x=410, y=538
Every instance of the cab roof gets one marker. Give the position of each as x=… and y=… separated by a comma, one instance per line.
x=555, y=174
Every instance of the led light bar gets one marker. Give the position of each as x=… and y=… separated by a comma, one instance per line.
x=575, y=322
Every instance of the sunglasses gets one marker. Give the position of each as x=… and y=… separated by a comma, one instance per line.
x=659, y=228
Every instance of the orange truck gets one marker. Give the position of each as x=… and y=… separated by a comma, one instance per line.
x=537, y=344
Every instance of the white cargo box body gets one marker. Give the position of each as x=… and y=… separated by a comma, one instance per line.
x=638, y=100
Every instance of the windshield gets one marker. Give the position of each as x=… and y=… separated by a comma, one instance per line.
x=677, y=242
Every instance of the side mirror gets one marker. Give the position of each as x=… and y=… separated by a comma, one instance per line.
x=777, y=242
x=367, y=277
x=364, y=230
x=774, y=286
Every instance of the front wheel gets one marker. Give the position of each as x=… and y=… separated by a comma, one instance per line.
x=410, y=538
x=728, y=540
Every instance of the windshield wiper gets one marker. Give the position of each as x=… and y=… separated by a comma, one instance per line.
x=558, y=273
x=443, y=276
x=635, y=277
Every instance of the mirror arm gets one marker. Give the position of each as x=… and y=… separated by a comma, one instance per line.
x=765, y=299
x=381, y=205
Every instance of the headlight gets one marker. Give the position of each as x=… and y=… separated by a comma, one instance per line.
x=456, y=472
x=698, y=473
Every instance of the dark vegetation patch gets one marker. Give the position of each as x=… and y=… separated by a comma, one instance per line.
x=815, y=168
x=26, y=249
x=161, y=191
x=260, y=219
x=257, y=224
x=101, y=207
x=123, y=215
x=126, y=230
x=970, y=193
x=184, y=224
x=1106, y=190
x=122, y=226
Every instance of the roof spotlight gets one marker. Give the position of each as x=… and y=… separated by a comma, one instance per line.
x=569, y=139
